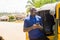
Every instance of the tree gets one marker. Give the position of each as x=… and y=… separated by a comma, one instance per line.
x=57, y=0
x=37, y=3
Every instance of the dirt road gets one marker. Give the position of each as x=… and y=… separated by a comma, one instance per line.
x=12, y=31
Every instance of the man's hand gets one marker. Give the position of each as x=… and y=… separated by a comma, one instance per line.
x=34, y=26
x=37, y=26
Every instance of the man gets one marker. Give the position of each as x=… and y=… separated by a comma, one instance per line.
x=33, y=25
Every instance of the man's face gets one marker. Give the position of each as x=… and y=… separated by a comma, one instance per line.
x=33, y=12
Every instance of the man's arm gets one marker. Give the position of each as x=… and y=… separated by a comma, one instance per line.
x=26, y=26
x=27, y=29
x=34, y=26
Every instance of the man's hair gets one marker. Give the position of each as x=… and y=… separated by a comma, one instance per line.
x=32, y=9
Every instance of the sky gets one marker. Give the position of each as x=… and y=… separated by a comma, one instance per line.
x=12, y=6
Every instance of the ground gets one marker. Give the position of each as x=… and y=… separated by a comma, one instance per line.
x=12, y=31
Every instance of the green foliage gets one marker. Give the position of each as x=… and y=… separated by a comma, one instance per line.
x=37, y=3
x=11, y=17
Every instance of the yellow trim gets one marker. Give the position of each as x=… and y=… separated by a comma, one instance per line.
x=57, y=10
x=57, y=15
x=27, y=36
x=58, y=28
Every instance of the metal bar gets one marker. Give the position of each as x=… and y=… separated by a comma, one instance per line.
x=56, y=30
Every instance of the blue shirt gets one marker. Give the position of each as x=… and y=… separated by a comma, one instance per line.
x=29, y=21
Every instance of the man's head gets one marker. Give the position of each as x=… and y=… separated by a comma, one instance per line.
x=32, y=11
x=1, y=38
